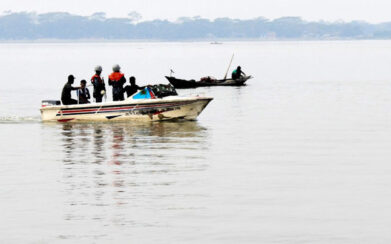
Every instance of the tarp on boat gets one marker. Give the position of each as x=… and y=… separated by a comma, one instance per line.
x=146, y=93
x=162, y=90
x=156, y=91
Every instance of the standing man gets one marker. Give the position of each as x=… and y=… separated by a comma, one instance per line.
x=99, y=84
x=66, y=96
x=117, y=81
x=133, y=88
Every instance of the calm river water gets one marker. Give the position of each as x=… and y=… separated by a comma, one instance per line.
x=299, y=155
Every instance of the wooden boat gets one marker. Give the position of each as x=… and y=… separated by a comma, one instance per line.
x=207, y=81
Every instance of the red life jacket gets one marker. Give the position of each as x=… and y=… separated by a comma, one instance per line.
x=116, y=76
x=97, y=77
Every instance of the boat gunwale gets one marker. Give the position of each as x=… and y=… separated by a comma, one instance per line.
x=128, y=102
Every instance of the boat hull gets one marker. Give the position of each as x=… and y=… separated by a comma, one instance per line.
x=147, y=109
x=180, y=83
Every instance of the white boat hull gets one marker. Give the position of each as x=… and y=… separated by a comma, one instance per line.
x=167, y=108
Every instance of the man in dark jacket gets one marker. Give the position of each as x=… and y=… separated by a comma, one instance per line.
x=99, y=85
x=66, y=96
x=133, y=88
x=83, y=93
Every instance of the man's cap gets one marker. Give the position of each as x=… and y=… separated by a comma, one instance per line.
x=71, y=77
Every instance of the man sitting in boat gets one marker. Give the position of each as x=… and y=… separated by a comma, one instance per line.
x=83, y=93
x=237, y=73
x=117, y=81
x=133, y=88
x=66, y=96
x=99, y=84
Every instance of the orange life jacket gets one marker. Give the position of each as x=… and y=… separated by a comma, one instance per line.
x=116, y=76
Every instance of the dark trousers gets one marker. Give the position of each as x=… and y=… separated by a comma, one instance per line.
x=118, y=94
x=118, y=97
x=69, y=101
x=98, y=99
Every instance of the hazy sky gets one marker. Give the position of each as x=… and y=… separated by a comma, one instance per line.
x=369, y=10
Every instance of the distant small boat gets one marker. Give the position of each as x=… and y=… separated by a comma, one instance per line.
x=216, y=43
x=207, y=81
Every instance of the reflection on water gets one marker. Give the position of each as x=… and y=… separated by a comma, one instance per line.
x=113, y=170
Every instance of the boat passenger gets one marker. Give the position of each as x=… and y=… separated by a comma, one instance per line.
x=99, y=85
x=237, y=73
x=66, y=96
x=117, y=80
x=133, y=88
x=83, y=93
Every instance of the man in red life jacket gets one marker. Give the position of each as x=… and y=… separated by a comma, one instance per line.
x=117, y=81
x=99, y=85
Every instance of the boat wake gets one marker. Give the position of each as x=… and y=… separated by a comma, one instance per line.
x=13, y=119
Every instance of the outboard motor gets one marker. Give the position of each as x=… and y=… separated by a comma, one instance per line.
x=46, y=103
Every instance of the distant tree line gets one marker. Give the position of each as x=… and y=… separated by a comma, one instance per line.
x=65, y=26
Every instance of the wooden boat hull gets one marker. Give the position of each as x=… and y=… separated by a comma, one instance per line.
x=168, y=108
x=180, y=83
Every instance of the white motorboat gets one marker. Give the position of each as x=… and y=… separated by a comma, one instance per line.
x=144, y=105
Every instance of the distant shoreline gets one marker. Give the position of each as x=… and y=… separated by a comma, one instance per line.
x=66, y=27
